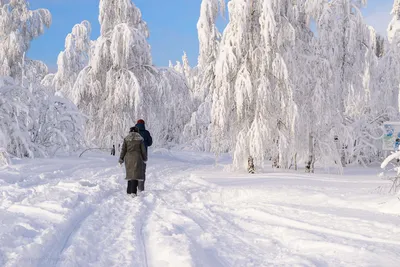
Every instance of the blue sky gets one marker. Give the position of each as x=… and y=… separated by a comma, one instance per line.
x=172, y=26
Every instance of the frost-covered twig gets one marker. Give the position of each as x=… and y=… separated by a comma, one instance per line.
x=393, y=159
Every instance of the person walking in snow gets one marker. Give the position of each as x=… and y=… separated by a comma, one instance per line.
x=134, y=154
x=113, y=151
x=148, y=141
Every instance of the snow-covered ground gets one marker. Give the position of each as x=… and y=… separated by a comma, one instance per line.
x=74, y=212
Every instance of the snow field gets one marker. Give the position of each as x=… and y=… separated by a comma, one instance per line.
x=75, y=212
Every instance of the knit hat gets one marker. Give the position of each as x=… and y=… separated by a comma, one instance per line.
x=140, y=121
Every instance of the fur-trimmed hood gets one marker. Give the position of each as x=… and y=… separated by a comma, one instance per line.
x=134, y=137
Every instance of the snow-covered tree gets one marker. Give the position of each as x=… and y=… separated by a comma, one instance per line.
x=36, y=123
x=18, y=26
x=33, y=121
x=209, y=41
x=72, y=60
x=253, y=109
x=374, y=93
x=388, y=80
x=389, y=165
x=342, y=125
x=184, y=69
x=394, y=26
x=281, y=91
x=4, y=157
x=202, y=81
x=120, y=85
x=208, y=32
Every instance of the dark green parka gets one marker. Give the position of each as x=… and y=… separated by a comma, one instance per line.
x=134, y=154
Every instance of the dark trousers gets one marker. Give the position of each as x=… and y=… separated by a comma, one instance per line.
x=132, y=187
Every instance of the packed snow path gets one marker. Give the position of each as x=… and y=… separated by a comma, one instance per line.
x=74, y=212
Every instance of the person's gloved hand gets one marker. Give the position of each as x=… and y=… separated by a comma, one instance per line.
x=120, y=161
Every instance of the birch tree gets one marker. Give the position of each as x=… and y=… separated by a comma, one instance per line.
x=120, y=85
x=33, y=121
x=18, y=27
x=72, y=60
x=198, y=130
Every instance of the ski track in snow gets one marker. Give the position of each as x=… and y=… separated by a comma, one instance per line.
x=75, y=212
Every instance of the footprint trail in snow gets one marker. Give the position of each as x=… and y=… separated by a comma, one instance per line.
x=74, y=212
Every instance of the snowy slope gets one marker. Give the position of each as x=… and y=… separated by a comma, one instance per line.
x=74, y=212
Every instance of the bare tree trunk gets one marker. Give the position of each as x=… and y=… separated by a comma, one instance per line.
x=311, y=156
x=341, y=148
x=275, y=162
x=343, y=157
x=293, y=162
x=250, y=165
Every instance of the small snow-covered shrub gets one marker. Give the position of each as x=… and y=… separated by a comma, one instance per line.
x=392, y=164
x=4, y=158
x=34, y=122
